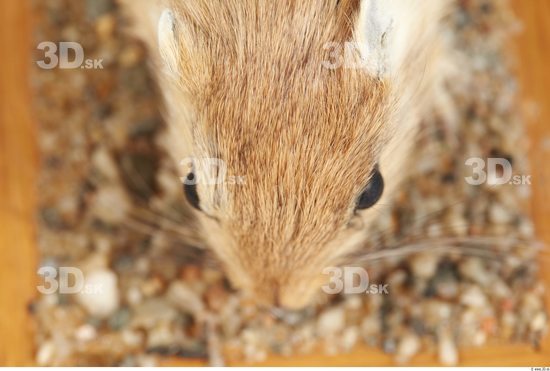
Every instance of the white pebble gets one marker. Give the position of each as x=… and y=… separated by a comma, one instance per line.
x=473, y=297
x=456, y=221
x=184, y=298
x=498, y=214
x=103, y=244
x=253, y=347
x=370, y=326
x=474, y=269
x=111, y=204
x=447, y=289
x=397, y=278
x=349, y=338
x=161, y=335
x=532, y=302
x=45, y=354
x=424, y=265
x=436, y=310
x=330, y=321
x=134, y=296
x=146, y=361
x=447, y=351
x=408, y=346
x=99, y=295
x=132, y=338
x=152, y=311
x=103, y=161
x=479, y=338
x=499, y=289
x=353, y=302
x=85, y=332
x=50, y=300
x=538, y=323
x=526, y=228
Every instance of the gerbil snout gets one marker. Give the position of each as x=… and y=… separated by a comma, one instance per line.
x=276, y=247
x=276, y=251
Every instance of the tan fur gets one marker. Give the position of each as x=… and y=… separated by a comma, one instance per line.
x=249, y=88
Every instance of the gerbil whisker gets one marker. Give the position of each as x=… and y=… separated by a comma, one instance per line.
x=139, y=225
x=469, y=245
x=165, y=225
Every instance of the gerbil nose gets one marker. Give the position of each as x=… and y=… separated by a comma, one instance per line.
x=282, y=296
x=273, y=299
x=285, y=301
x=277, y=298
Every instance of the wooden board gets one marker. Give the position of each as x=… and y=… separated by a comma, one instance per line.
x=18, y=169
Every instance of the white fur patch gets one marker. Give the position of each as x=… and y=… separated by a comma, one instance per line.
x=374, y=28
x=167, y=40
x=385, y=31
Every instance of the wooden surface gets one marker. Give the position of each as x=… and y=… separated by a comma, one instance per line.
x=18, y=168
x=18, y=165
x=532, y=50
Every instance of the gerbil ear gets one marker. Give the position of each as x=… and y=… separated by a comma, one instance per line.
x=383, y=32
x=168, y=47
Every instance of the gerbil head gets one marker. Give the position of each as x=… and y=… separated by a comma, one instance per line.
x=267, y=89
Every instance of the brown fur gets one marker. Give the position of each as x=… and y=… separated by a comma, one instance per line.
x=249, y=88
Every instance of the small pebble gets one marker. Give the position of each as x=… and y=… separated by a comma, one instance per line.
x=474, y=269
x=473, y=297
x=132, y=338
x=479, y=338
x=446, y=350
x=538, y=323
x=45, y=354
x=349, y=338
x=424, y=265
x=389, y=345
x=134, y=296
x=119, y=319
x=185, y=298
x=111, y=204
x=85, y=333
x=330, y=321
x=100, y=294
x=370, y=326
x=408, y=346
x=152, y=311
x=104, y=163
x=498, y=214
x=447, y=289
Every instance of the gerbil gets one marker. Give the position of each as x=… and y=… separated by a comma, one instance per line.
x=247, y=82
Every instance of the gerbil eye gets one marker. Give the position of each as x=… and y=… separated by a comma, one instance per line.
x=372, y=193
x=190, y=190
